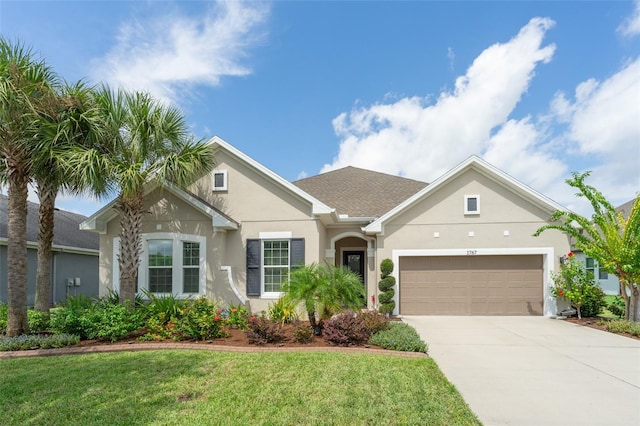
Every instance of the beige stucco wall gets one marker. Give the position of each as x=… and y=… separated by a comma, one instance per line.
x=438, y=223
x=257, y=203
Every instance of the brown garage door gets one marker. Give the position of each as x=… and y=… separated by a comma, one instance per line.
x=471, y=285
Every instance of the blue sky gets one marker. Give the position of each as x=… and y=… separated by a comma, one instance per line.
x=539, y=89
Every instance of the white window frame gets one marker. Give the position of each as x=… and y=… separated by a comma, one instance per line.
x=225, y=180
x=272, y=294
x=466, y=204
x=177, y=267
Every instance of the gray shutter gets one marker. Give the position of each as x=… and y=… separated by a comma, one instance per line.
x=253, y=267
x=297, y=252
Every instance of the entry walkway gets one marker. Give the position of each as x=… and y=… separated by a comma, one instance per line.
x=535, y=370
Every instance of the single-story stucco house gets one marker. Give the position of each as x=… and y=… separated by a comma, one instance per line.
x=74, y=256
x=461, y=245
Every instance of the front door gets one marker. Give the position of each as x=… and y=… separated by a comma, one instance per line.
x=354, y=260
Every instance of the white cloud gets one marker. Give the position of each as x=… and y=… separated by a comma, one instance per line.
x=631, y=26
x=167, y=55
x=419, y=139
x=605, y=125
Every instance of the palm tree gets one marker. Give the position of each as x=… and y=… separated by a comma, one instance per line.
x=609, y=238
x=324, y=291
x=69, y=118
x=25, y=82
x=145, y=143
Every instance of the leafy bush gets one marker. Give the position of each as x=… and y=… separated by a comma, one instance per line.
x=284, y=311
x=262, y=330
x=623, y=326
x=38, y=321
x=168, y=305
x=237, y=317
x=399, y=337
x=96, y=320
x=617, y=307
x=374, y=321
x=302, y=333
x=26, y=342
x=346, y=329
x=200, y=319
x=4, y=317
x=578, y=286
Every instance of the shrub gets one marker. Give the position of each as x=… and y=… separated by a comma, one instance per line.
x=168, y=305
x=622, y=326
x=38, y=321
x=4, y=316
x=386, y=284
x=617, y=307
x=113, y=322
x=284, y=311
x=95, y=320
x=262, y=330
x=302, y=333
x=346, y=329
x=374, y=321
x=399, y=337
x=70, y=319
x=237, y=316
x=200, y=319
x=578, y=286
x=26, y=342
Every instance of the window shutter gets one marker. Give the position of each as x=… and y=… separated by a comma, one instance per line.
x=253, y=267
x=297, y=252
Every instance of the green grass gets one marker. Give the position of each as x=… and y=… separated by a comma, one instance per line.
x=605, y=312
x=181, y=387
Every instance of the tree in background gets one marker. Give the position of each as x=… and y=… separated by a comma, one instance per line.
x=607, y=237
x=68, y=119
x=26, y=83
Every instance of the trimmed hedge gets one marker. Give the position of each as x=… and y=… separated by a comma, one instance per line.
x=399, y=337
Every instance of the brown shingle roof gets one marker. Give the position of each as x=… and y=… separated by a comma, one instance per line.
x=359, y=192
x=625, y=209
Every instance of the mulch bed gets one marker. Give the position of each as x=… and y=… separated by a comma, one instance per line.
x=596, y=322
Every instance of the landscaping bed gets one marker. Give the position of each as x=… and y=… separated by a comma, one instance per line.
x=604, y=324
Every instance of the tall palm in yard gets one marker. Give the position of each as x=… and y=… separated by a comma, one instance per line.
x=145, y=143
x=68, y=118
x=25, y=81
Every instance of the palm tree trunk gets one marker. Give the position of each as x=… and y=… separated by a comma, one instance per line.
x=17, y=257
x=131, y=211
x=47, y=195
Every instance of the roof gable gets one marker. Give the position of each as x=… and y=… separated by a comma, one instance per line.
x=481, y=166
x=317, y=206
x=98, y=221
x=358, y=192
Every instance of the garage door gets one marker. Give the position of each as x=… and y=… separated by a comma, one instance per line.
x=471, y=285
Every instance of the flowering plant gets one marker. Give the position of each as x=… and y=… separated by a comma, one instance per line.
x=577, y=285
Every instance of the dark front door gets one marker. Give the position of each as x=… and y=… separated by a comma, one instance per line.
x=354, y=260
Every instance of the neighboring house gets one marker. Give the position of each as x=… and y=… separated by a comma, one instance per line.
x=462, y=245
x=74, y=257
x=608, y=282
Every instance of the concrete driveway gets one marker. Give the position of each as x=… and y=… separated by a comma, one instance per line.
x=536, y=370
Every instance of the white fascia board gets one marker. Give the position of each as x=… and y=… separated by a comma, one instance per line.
x=97, y=222
x=317, y=206
x=377, y=227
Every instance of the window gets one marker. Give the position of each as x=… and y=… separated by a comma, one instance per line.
x=269, y=260
x=190, y=267
x=160, y=266
x=471, y=204
x=592, y=266
x=219, y=180
x=170, y=264
x=275, y=255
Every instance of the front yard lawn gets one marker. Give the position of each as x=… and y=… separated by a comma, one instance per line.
x=182, y=387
